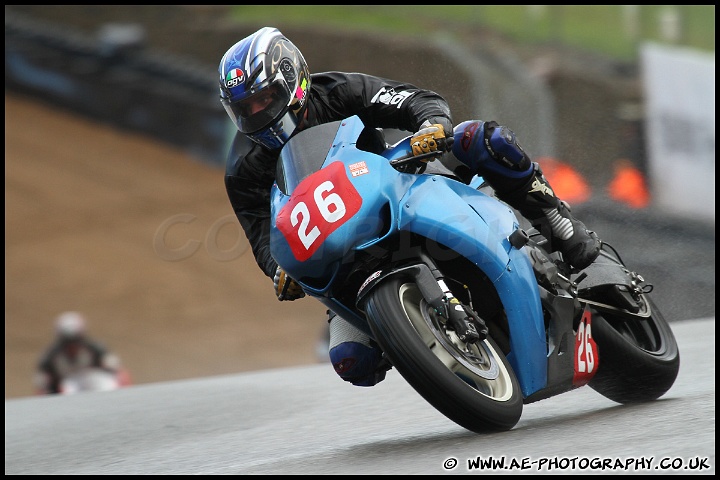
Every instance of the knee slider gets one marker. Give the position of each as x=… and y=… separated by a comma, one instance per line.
x=503, y=147
x=357, y=363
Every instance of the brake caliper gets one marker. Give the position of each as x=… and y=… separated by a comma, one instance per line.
x=464, y=321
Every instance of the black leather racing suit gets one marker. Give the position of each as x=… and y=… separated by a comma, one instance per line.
x=380, y=103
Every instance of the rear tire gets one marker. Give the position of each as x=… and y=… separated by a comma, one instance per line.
x=472, y=385
x=639, y=358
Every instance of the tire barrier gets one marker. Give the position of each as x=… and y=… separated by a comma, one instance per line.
x=113, y=79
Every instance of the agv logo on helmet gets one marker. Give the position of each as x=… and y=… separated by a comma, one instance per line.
x=264, y=85
x=234, y=78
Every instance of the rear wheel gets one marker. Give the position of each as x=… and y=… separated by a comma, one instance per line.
x=639, y=357
x=471, y=384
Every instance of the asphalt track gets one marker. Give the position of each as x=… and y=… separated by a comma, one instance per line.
x=306, y=421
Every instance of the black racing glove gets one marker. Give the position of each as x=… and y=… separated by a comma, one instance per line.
x=285, y=287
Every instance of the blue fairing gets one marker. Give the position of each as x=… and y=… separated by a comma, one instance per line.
x=477, y=227
x=441, y=209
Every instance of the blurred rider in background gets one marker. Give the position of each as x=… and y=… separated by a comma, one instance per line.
x=267, y=90
x=71, y=352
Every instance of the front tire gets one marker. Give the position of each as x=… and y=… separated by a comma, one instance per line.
x=471, y=384
x=639, y=358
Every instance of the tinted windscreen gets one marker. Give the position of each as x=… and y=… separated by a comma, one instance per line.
x=304, y=154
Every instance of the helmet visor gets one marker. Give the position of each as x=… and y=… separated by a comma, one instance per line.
x=261, y=109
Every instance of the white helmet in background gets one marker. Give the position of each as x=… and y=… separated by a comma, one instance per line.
x=70, y=325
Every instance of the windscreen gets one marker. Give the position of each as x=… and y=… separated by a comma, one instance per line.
x=304, y=154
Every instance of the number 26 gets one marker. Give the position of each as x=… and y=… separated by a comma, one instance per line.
x=331, y=207
x=586, y=358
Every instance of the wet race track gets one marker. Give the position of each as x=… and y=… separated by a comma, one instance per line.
x=306, y=421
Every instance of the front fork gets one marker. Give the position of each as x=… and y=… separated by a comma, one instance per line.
x=461, y=318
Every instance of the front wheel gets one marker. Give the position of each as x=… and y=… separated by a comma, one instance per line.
x=471, y=384
x=639, y=357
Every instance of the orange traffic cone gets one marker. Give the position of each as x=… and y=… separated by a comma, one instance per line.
x=628, y=186
x=566, y=182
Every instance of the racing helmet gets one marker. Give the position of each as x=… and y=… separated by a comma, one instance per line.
x=70, y=325
x=264, y=84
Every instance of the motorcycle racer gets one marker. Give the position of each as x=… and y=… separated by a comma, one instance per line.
x=269, y=93
x=71, y=352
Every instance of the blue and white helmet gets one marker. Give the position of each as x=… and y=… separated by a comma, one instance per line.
x=264, y=84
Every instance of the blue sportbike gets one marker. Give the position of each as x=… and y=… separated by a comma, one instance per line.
x=422, y=261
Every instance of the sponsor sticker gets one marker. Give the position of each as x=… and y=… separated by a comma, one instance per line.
x=368, y=280
x=388, y=96
x=234, y=78
x=357, y=169
x=301, y=90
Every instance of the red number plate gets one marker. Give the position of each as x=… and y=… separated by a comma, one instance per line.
x=586, y=352
x=318, y=206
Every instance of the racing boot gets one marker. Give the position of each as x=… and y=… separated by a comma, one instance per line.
x=534, y=199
